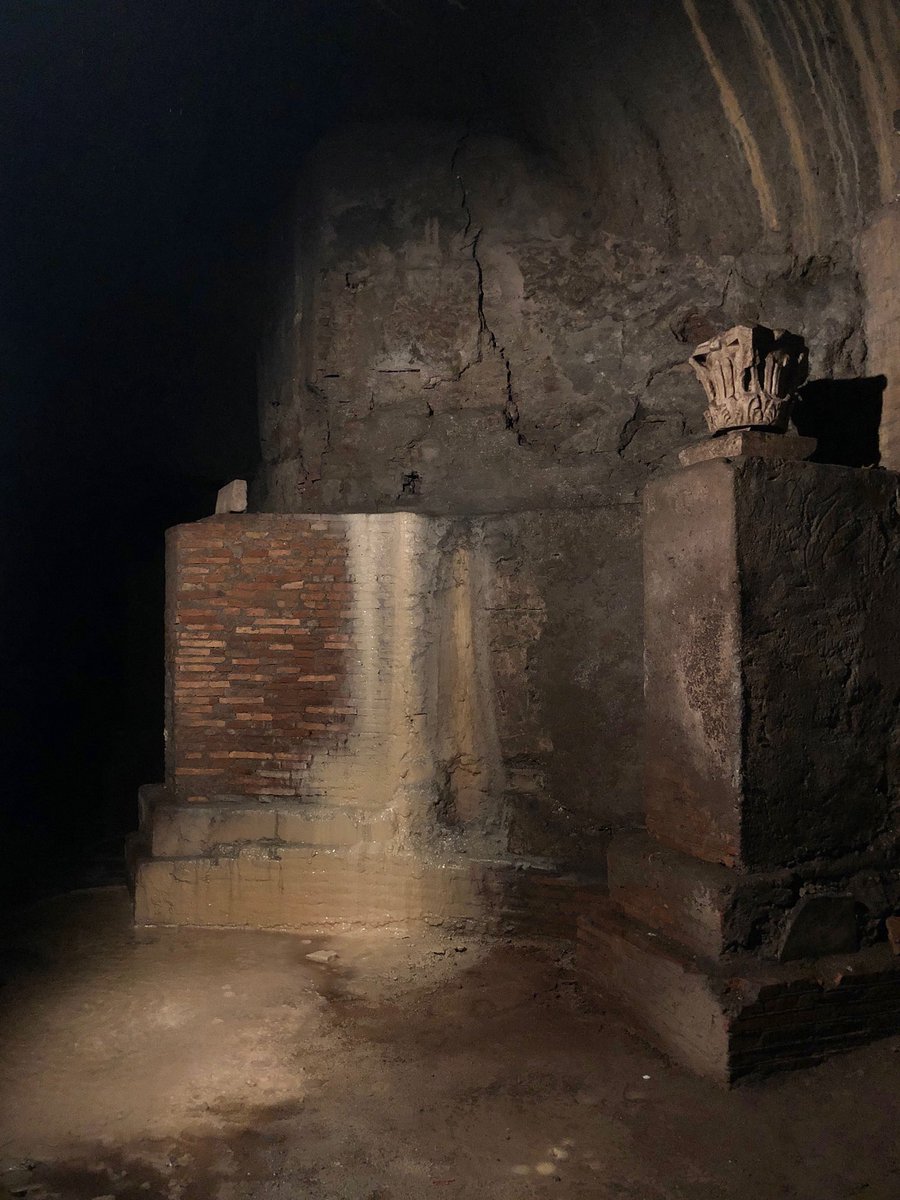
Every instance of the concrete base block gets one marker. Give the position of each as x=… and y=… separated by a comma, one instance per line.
x=307, y=888
x=741, y=1015
x=714, y=910
x=288, y=865
x=183, y=830
x=690, y=901
x=772, y=679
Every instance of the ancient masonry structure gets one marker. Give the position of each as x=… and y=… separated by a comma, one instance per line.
x=745, y=926
x=344, y=742
x=332, y=754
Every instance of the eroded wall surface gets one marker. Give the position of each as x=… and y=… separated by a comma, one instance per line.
x=454, y=333
x=878, y=262
x=715, y=125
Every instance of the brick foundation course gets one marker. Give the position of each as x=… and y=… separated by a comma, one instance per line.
x=739, y=1015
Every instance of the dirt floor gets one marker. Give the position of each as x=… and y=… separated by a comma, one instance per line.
x=212, y=1065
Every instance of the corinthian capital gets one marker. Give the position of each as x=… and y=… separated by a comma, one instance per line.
x=750, y=375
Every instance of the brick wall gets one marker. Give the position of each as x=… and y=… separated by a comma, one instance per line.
x=370, y=677
x=418, y=678
x=799, y=1023
x=330, y=659
x=258, y=628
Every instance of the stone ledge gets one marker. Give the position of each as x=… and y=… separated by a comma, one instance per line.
x=691, y=901
x=747, y=443
x=713, y=910
x=308, y=888
x=742, y=1015
x=302, y=888
x=185, y=830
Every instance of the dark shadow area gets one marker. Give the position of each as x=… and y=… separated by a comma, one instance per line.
x=196, y=1166
x=192, y=1166
x=148, y=152
x=81, y=708
x=845, y=416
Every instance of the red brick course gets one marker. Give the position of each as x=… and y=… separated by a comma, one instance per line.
x=258, y=624
x=800, y=1023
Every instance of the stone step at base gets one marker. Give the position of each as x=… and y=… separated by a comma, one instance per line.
x=706, y=907
x=742, y=1015
x=305, y=888
x=187, y=830
x=149, y=796
x=542, y=901
x=712, y=910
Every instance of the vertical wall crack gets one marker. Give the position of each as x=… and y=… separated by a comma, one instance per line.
x=484, y=331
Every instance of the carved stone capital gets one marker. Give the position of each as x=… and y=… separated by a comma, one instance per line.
x=750, y=375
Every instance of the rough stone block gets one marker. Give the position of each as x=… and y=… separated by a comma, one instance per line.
x=704, y=906
x=744, y=443
x=772, y=679
x=741, y=1016
x=713, y=910
x=820, y=925
x=232, y=498
x=664, y=994
x=819, y=566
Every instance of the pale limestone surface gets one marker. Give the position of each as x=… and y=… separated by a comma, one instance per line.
x=750, y=375
x=747, y=443
x=232, y=498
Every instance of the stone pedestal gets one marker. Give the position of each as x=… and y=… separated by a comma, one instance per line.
x=772, y=686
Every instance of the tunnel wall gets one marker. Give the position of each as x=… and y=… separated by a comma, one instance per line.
x=715, y=125
x=878, y=268
x=455, y=332
x=492, y=321
x=456, y=338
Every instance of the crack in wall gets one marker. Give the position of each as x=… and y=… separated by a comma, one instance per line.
x=323, y=430
x=638, y=420
x=511, y=414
